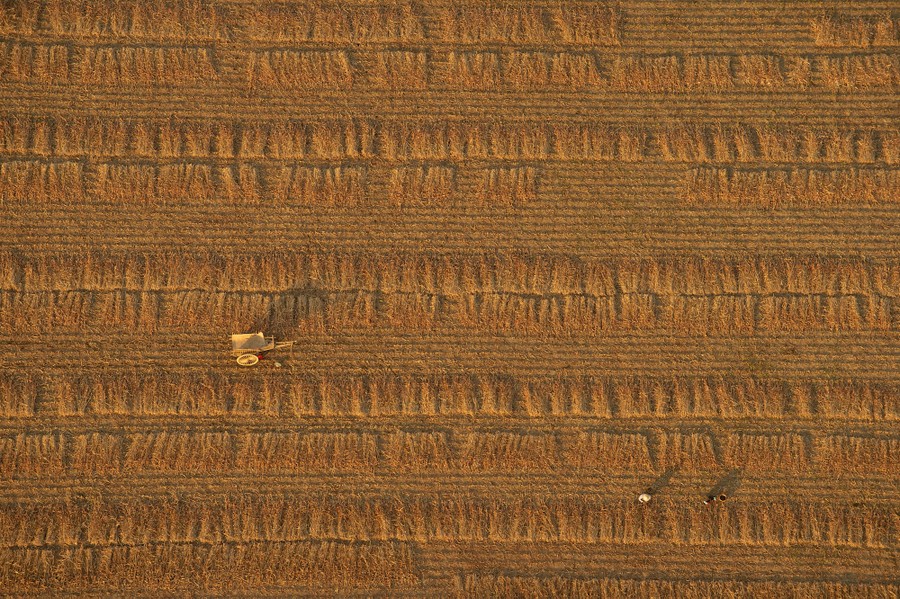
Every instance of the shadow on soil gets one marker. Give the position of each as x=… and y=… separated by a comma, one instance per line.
x=661, y=482
x=727, y=486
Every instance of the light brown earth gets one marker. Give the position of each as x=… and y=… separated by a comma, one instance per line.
x=537, y=257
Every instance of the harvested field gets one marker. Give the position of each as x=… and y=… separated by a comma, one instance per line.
x=537, y=258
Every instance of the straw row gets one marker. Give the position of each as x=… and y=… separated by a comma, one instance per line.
x=192, y=568
x=117, y=65
x=675, y=73
x=70, y=182
x=542, y=70
x=587, y=24
x=861, y=72
x=455, y=517
x=151, y=20
x=791, y=187
x=423, y=185
x=578, y=315
x=394, y=69
x=442, y=141
x=151, y=138
x=19, y=395
x=34, y=180
x=326, y=22
x=521, y=314
x=221, y=392
x=300, y=69
x=73, y=182
x=510, y=586
x=296, y=69
x=38, y=455
x=150, y=184
x=598, y=24
x=698, y=143
x=508, y=186
x=854, y=31
x=449, y=274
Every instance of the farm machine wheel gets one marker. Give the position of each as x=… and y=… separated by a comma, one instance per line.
x=247, y=359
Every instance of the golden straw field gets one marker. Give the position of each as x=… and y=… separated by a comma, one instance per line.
x=537, y=258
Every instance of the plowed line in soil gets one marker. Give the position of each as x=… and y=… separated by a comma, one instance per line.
x=871, y=356
x=663, y=561
x=623, y=107
x=606, y=232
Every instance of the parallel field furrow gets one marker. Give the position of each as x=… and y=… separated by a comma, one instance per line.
x=660, y=563
x=872, y=356
x=611, y=234
x=807, y=108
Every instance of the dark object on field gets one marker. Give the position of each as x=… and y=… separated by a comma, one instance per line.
x=656, y=485
x=724, y=488
x=249, y=348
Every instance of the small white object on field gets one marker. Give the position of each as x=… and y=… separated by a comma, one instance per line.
x=277, y=364
x=644, y=497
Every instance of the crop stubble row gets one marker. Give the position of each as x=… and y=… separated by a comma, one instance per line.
x=412, y=69
x=504, y=312
x=343, y=163
x=469, y=516
x=109, y=454
x=811, y=24
x=437, y=184
x=439, y=397
x=131, y=140
x=537, y=273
